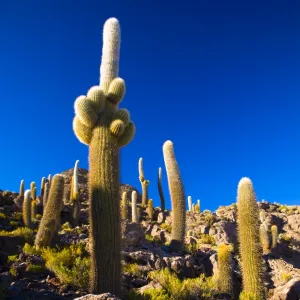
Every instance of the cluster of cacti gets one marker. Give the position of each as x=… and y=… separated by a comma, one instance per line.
x=99, y=124
x=193, y=207
x=249, y=240
x=177, y=197
x=144, y=183
x=74, y=196
x=50, y=221
x=224, y=276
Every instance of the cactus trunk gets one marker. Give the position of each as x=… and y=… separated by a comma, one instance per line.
x=104, y=206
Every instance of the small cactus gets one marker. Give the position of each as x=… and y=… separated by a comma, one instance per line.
x=144, y=183
x=177, y=197
x=160, y=189
x=22, y=188
x=124, y=208
x=249, y=240
x=197, y=208
x=190, y=203
x=225, y=284
x=26, y=209
x=264, y=238
x=274, y=231
x=150, y=209
x=134, y=207
x=51, y=218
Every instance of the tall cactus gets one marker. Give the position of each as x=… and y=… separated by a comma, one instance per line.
x=26, y=209
x=249, y=240
x=177, y=197
x=190, y=203
x=46, y=194
x=75, y=196
x=99, y=124
x=43, y=182
x=22, y=188
x=51, y=218
x=144, y=183
x=134, y=207
x=160, y=189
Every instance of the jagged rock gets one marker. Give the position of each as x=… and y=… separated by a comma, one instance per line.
x=288, y=291
x=227, y=212
x=294, y=222
x=106, y=296
x=132, y=234
x=224, y=232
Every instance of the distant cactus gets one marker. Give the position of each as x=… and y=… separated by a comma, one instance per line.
x=262, y=216
x=144, y=183
x=197, y=208
x=100, y=124
x=51, y=218
x=46, y=194
x=274, y=231
x=193, y=207
x=249, y=240
x=198, y=203
x=264, y=238
x=32, y=185
x=190, y=203
x=33, y=209
x=160, y=189
x=43, y=182
x=224, y=276
x=134, y=207
x=26, y=209
x=22, y=188
x=49, y=180
x=177, y=196
x=150, y=209
x=124, y=207
x=75, y=196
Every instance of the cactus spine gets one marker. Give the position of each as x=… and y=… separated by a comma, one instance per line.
x=160, y=189
x=50, y=221
x=190, y=203
x=100, y=124
x=177, y=197
x=144, y=183
x=225, y=269
x=22, y=188
x=133, y=207
x=124, y=208
x=26, y=209
x=248, y=236
x=274, y=231
x=150, y=209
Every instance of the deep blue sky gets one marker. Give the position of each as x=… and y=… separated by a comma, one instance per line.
x=218, y=78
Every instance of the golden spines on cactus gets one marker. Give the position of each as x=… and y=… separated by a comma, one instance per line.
x=26, y=209
x=249, y=240
x=160, y=189
x=50, y=221
x=22, y=188
x=150, y=209
x=264, y=238
x=224, y=275
x=99, y=124
x=274, y=231
x=144, y=183
x=124, y=208
x=177, y=196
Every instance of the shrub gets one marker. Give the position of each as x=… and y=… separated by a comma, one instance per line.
x=2, y=216
x=35, y=268
x=133, y=269
x=22, y=231
x=31, y=250
x=207, y=239
x=12, y=258
x=166, y=227
x=285, y=277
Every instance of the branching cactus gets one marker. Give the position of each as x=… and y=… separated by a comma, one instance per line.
x=150, y=209
x=145, y=183
x=225, y=284
x=99, y=124
x=46, y=194
x=22, y=188
x=26, y=209
x=133, y=207
x=274, y=231
x=75, y=196
x=51, y=218
x=249, y=240
x=190, y=203
x=160, y=189
x=124, y=207
x=177, y=197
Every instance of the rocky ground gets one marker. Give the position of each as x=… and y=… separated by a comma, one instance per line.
x=26, y=274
